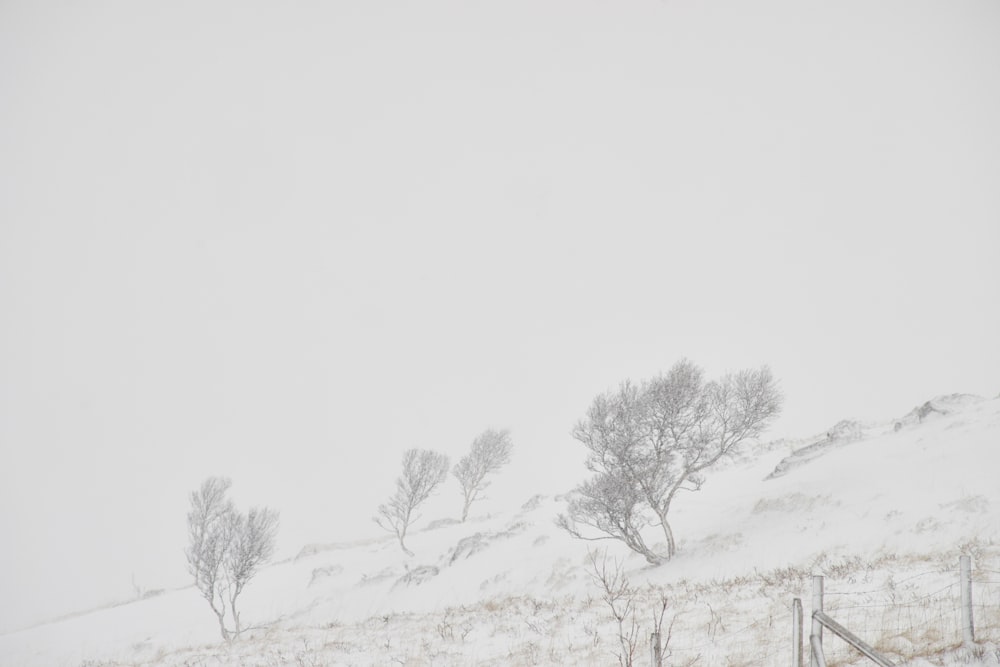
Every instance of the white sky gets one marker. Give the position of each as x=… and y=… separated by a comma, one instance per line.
x=286, y=241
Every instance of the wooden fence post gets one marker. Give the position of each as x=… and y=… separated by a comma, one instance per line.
x=796, y=632
x=816, y=644
x=862, y=646
x=816, y=633
x=965, y=574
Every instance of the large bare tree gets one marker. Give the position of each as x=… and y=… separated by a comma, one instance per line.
x=423, y=471
x=490, y=452
x=226, y=548
x=649, y=441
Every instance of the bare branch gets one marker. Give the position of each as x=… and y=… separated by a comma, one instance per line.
x=618, y=594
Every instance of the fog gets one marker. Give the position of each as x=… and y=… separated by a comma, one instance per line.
x=286, y=242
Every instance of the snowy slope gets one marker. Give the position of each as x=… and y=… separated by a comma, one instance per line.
x=883, y=510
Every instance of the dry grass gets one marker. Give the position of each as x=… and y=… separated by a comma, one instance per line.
x=905, y=607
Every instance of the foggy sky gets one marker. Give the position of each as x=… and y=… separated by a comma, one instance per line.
x=285, y=242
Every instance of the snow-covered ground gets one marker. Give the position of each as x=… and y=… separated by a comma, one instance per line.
x=882, y=510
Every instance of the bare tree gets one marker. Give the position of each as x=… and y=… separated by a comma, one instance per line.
x=423, y=471
x=226, y=549
x=619, y=595
x=656, y=636
x=611, y=502
x=649, y=441
x=490, y=452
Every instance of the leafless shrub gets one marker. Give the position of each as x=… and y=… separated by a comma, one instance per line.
x=659, y=646
x=651, y=440
x=618, y=594
x=226, y=549
x=666, y=651
x=533, y=652
x=490, y=452
x=423, y=471
x=445, y=629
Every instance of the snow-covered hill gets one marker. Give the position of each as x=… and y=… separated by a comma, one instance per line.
x=882, y=510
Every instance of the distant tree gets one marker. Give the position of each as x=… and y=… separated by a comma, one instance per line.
x=423, y=471
x=490, y=452
x=226, y=549
x=649, y=441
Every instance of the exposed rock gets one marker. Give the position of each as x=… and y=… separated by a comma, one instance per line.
x=532, y=503
x=970, y=504
x=790, y=503
x=418, y=575
x=842, y=433
x=369, y=579
x=845, y=430
x=936, y=407
x=313, y=549
x=473, y=544
x=324, y=572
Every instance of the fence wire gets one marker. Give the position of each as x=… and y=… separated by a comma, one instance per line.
x=986, y=607
x=903, y=620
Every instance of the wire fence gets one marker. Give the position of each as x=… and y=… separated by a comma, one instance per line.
x=916, y=616
x=902, y=618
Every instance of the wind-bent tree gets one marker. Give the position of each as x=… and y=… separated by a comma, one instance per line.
x=649, y=441
x=490, y=452
x=226, y=549
x=423, y=471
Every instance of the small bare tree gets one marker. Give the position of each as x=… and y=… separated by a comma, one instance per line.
x=649, y=441
x=656, y=637
x=490, y=452
x=618, y=594
x=226, y=549
x=423, y=471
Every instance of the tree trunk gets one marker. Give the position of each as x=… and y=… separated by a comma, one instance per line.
x=222, y=625
x=221, y=615
x=669, y=534
x=403, y=546
x=633, y=540
x=654, y=559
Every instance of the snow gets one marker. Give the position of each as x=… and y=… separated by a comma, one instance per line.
x=882, y=510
